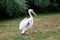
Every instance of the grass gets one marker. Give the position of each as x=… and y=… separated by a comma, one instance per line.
x=47, y=27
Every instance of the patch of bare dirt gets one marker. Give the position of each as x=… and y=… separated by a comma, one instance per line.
x=48, y=22
x=52, y=38
x=4, y=34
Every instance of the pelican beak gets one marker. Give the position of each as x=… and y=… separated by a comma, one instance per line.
x=34, y=13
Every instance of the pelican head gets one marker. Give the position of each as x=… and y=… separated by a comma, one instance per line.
x=31, y=11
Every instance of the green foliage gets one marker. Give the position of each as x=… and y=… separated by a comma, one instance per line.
x=12, y=8
x=17, y=8
x=55, y=4
x=22, y=6
x=44, y=5
x=39, y=5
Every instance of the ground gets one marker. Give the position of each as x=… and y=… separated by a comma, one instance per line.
x=47, y=27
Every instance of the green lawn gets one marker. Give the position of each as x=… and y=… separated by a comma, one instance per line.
x=47, y=27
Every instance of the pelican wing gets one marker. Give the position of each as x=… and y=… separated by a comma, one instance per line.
x=22, y=23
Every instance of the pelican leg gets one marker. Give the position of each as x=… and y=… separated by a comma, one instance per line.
x=24, y=31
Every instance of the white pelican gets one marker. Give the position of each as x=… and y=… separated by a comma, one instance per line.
x=26, y=23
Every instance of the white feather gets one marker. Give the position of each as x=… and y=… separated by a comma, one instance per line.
x=22, y=23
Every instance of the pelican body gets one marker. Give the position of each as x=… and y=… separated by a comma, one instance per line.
x=26, y=23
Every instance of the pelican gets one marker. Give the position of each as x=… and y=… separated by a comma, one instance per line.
x=27, y=23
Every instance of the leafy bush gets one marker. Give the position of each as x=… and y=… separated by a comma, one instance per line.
x=17, y=8
x=44, y=5
x=12, y=8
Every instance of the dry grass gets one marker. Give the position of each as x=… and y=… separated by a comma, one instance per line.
x=47, y=27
